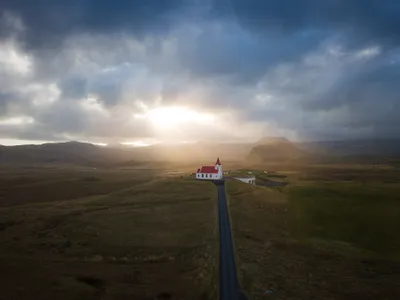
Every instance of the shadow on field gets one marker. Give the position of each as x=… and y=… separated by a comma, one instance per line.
x=124, y=235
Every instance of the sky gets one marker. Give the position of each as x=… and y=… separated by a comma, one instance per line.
x=141, y=72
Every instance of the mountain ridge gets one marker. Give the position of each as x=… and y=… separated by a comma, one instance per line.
x=265, y=149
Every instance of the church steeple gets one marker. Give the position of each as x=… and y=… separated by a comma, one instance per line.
x=218, y=162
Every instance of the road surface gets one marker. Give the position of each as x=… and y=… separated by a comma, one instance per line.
x=228, y=283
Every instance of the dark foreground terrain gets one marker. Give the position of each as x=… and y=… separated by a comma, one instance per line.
x=332, y=233
x=106, y=234
x=146, y=233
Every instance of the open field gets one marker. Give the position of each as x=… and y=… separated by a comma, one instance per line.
x=33, y=185
x=106, y=234
x=330, y=234
x=85, y=233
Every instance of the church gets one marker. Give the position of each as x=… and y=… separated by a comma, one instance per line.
x=210, y=172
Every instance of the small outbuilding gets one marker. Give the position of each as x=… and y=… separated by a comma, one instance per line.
x=248, y=180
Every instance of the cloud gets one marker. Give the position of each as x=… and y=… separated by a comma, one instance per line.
x=49, y=22
x=303, y=69
x=334, y=94
x=362, y=20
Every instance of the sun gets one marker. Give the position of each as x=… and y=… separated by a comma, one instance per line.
x=171, y=117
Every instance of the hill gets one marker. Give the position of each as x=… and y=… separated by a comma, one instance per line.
x=275, y=149
x=74, y=153
x=377, y=147
x=268, y=149
x=86, y=154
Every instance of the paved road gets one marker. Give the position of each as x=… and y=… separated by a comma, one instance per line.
x=228, y=283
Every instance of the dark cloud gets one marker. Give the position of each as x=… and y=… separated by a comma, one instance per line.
x=309, y=69
x=364, y=19
x=32, y=132
x=5, y=97
x=341, y=99
x=74, y=88
x=63, y=116
x=226, y=49
x=48, y=22
x=374, y=82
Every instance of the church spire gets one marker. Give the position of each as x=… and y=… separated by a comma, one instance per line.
x=218, y=162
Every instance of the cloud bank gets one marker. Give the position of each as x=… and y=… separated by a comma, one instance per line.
x=301, y=69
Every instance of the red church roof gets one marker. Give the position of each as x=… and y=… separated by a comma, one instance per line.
x=208, y=169
x=218, y=162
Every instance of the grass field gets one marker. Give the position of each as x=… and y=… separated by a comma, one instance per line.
x=330, y=234
x=85, y=233
x=106, y=234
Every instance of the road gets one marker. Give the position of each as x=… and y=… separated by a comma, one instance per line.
x=228, y=283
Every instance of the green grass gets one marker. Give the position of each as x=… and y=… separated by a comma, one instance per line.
x=363, y=215
x=136, y=242
x=124, y=234
x=330, y=237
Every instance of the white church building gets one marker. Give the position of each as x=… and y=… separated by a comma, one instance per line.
x=210, y=172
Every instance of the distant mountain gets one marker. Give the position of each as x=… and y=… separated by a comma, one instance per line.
x=273, y=140
x=373, y=147
x=75, y=153
x=86, y=154
x=275, y=149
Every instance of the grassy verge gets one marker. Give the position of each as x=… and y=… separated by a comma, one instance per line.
x=317, y=241
x=143, y=241
x=362, y=215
